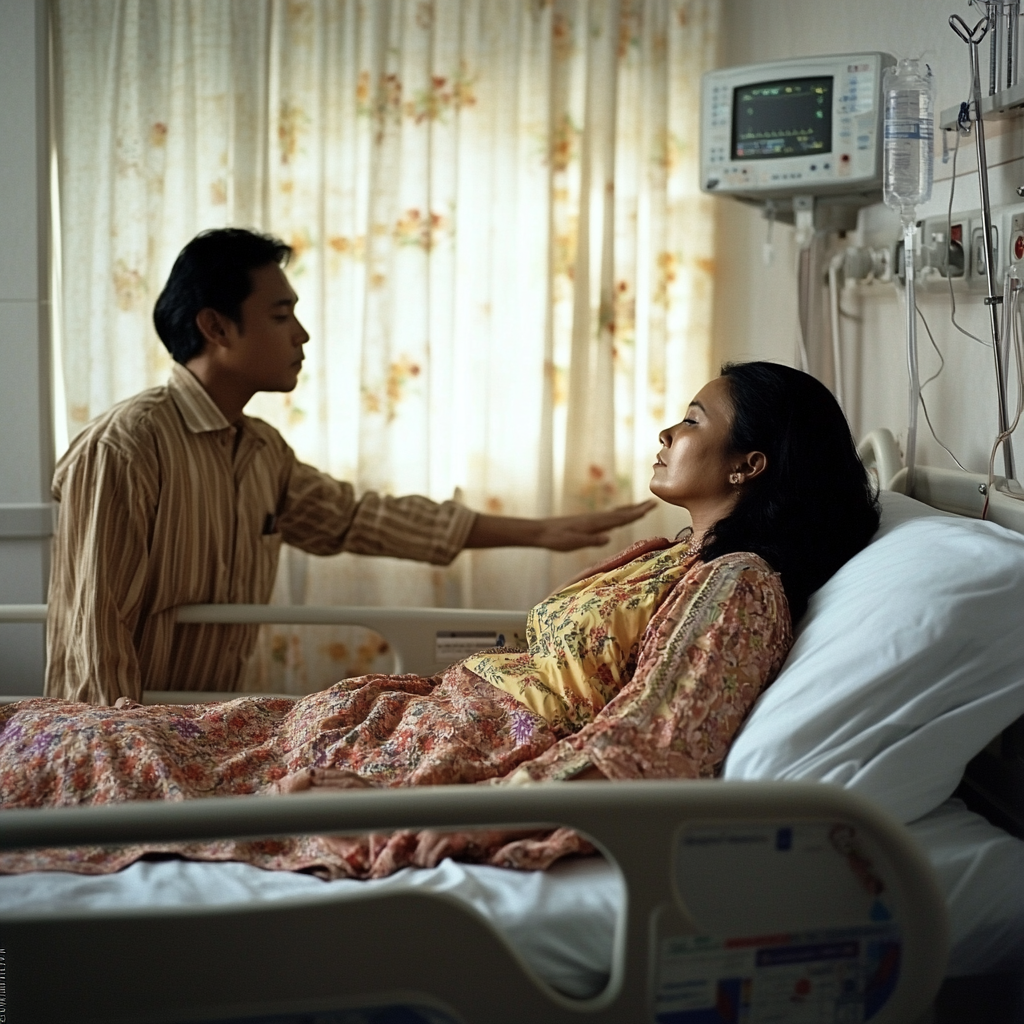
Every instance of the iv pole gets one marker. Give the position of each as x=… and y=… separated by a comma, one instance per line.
x=973, y=37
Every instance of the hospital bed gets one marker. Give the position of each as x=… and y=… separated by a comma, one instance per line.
x=715, y=901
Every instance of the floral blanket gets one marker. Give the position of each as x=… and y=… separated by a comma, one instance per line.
x=713, y=645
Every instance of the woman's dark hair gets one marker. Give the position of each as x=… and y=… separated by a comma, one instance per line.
x=813, y=508
x=213, y=271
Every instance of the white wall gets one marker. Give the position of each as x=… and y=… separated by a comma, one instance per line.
x=755, y=310
x=26, y=445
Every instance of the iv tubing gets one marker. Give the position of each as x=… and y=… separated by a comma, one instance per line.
x=833, y=309
x=804, y=301
x=1012, y=23
x=910, y=297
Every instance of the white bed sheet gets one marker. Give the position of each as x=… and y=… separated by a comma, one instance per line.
x=981, y=871
x=561, y=921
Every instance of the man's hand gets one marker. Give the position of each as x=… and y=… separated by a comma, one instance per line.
x=557, y=533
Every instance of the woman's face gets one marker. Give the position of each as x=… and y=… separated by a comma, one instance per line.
x=695, y=463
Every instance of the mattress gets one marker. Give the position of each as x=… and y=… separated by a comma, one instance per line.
x=980, y=869
x=561, y=921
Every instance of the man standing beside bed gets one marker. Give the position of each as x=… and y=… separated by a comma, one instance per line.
x=176, y=497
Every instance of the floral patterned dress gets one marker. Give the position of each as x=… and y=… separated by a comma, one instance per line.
x=584, y=639
x=662, y=702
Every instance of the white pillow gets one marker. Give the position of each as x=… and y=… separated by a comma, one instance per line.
x=909, y=660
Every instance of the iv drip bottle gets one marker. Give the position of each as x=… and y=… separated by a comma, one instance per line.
x=908, y=89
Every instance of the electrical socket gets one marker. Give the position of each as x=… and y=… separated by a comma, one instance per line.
x=978, y=274
x=939, y=256
x=961, y=256
x=1007, y=238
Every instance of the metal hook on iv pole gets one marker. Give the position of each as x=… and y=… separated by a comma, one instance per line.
x=973, y=37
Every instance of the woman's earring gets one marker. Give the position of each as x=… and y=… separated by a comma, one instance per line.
x=735, y=478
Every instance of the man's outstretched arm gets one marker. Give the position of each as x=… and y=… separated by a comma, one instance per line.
x=558, y=533
x=323, y=516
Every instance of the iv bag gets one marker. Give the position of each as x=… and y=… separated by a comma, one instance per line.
x=909, y=130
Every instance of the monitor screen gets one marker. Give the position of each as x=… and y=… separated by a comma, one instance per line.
x=792, y=117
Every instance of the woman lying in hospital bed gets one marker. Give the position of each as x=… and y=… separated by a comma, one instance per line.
x=645, y=668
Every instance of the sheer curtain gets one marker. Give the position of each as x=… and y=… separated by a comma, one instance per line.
x=501, y=251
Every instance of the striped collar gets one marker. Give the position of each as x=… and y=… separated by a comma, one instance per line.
x=197, y=408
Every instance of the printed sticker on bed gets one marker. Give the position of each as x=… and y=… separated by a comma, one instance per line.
x=794, y=922
x=836, y=976
x=451, y=646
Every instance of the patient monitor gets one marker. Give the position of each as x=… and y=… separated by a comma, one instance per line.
x=810, y=126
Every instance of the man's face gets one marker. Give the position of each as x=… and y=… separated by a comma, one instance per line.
x=266, y=348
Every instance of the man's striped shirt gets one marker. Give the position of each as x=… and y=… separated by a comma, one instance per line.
x=165, y=503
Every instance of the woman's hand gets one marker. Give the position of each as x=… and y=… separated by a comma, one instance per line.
x=557, y=533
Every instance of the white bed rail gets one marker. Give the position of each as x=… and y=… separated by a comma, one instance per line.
x=22, y=612
x=427, y=950
x=423, y=640
x=951, y=490
x=964, y=494
x=881, y=456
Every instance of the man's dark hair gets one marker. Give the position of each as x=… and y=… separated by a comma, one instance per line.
x=213, y=271
x=813, y=508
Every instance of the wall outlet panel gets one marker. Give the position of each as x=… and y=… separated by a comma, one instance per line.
x=955, y=248
x=942, y=250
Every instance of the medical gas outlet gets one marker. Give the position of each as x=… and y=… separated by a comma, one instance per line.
x=955, y=250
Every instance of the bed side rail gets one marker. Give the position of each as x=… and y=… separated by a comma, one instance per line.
x=881, y=456
x=964, y=494
x=424, y=640
x=788, y=876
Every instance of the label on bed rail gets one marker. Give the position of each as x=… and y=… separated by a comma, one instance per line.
x=799, y=926
x=452, y=645
x=759, y=879
x=836, y=976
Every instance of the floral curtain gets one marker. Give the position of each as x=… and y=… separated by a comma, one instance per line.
x=501, y=250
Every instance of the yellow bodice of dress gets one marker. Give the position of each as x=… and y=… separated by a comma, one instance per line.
x=583, y=640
